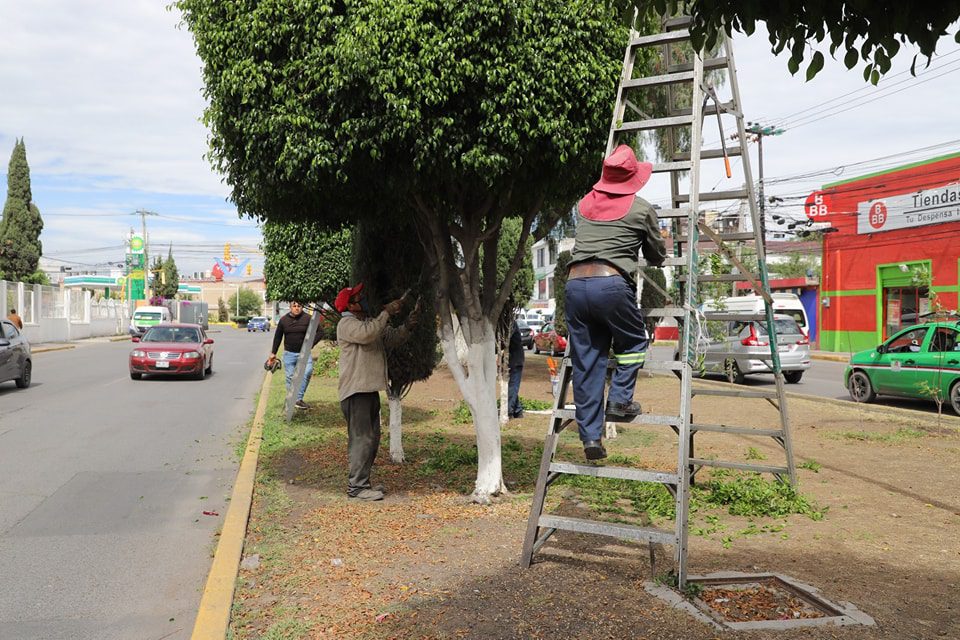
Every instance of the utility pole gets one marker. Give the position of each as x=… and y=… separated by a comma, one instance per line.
x=143, y=213
x=759, y=131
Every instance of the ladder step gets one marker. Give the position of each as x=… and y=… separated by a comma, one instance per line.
x=734, y=393
x=734, y=317
x=708, y=65
x=747, y=431
x=682, y=212
x=643, y=418
x=709, y=154
x=710, y=196
x=658, y=81
x=680, y=22
x=620, y=473
x=740, y=236
x=680, y=35
x=664, y=312
x=673, y=261
x=613, y=529
x=723, y=277
x=655, y=123
x=666, y=167
x=742, y=466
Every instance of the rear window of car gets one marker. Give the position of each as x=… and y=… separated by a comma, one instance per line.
x=785, y=326
x=796, y=315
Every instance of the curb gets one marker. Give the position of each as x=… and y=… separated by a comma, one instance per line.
x=920, y=416
x=831, y=357
x=48, y=349
x=213, y=616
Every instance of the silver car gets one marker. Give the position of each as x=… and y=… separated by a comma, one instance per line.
x=738, y=349
x=16, y=362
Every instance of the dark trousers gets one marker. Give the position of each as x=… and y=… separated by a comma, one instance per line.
x=602, y=311
x=514, y=408
x=362, y=411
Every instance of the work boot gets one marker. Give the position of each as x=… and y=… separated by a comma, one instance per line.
x=593, y=450
x=623, y=409
x=367, y=495
x=300, y=404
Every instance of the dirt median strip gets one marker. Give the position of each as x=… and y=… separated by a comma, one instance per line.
x=213, y=617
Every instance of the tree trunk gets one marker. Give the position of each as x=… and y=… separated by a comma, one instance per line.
x=478, y=384
x=396, y=428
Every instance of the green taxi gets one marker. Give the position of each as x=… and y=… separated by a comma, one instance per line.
x=922, y=361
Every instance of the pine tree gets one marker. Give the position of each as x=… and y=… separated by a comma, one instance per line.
x=21, y=225
x=170, y=276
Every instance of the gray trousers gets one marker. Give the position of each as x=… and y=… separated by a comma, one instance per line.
x=362, y=411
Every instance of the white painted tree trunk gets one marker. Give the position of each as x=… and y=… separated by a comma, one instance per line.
x=478, y=384
x=396, y=428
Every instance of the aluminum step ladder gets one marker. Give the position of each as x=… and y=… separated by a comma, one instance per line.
x=691, y=237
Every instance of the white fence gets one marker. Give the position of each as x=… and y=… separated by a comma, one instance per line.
x=52, y=314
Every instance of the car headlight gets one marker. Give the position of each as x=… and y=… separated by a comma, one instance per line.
x=191, y=355
x=136, y=353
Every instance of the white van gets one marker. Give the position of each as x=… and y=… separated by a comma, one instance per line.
x=783, y=303
x=146, y=317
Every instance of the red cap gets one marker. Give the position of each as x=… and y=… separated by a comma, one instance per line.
x=343, y=298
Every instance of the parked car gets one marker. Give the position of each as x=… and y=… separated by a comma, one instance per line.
x=258, y=323
x=922, y=361
x=526, y=334
x=549, y=340
x=177, y=349
x=534, y=320
x=743, y=348
x=16, y=361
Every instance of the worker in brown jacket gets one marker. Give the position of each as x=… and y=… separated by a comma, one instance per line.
x=363, y=374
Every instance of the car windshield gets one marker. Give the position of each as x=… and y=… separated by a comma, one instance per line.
x=256, y=319
x=522, y=324
x=147, y=315
x=171, y=334
x=796, y=315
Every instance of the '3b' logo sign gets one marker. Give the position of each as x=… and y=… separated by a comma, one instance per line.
x=878, y=215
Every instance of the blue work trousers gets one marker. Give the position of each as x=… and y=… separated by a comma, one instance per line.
x=514, y=408
x=289, y=364
x=601, y=312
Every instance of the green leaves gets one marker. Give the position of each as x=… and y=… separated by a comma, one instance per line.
x=20, y=228
x=816, y=64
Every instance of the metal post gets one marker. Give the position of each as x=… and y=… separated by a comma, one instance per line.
x=763, y=205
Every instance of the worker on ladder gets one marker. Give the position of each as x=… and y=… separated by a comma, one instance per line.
x=613, y=225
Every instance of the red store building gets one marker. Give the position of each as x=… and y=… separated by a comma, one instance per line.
x=894, y=254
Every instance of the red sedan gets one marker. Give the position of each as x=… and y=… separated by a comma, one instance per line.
x=173, y=349
x=547, y=339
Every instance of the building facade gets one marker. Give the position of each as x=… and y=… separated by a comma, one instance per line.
x=893, y=253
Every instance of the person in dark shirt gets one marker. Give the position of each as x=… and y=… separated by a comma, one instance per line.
x=613, y=226
x=292, y=329
x=514, y=408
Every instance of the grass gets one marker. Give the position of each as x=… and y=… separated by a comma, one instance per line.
x=897, y=437
x=812, y=465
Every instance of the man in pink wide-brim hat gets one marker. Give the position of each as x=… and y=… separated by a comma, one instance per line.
x=613, y=226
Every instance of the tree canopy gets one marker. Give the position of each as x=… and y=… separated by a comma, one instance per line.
x=862, y=31
x=20, y=228
x=166, y=276
x=304, y=262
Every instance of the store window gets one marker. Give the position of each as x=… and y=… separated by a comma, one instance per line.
x=902, y=307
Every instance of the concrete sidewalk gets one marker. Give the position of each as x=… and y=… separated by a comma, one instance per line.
x=44, y=347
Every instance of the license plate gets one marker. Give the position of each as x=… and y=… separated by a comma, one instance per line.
x=784, y=349
x=163, y=364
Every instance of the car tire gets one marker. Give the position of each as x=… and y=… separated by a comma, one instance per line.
x=955, y=397
x=732, y=370
x=860, y=387
x=209, y=369
x=793, y=377
x=536, y=349
x=24, y=380
x=136, y=376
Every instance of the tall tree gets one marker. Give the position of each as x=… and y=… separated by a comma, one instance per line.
x=444, y=115
x=20, y=228
x=388, y=262
x=306, y=262
x=171, y=275
x=868, y=32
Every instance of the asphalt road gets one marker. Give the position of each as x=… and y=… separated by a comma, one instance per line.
x=103, y=484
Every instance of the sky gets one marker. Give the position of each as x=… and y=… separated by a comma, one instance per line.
x=108, y=97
